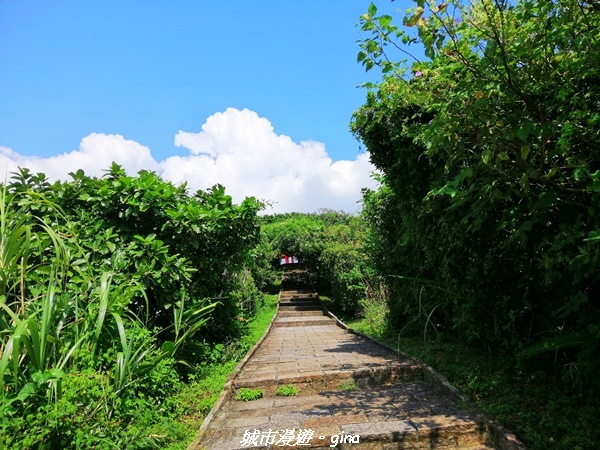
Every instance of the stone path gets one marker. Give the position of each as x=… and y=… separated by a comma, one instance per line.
x=352, y=393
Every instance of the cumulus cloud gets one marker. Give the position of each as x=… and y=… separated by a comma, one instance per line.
x=237, y=149
x=95, y=154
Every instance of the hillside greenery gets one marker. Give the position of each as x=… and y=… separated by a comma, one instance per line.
x=486, y=225
x=115, y=292
x=330, y=242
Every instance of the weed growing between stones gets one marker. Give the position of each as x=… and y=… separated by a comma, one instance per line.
x=247, y=395
x=349, y=385
x=287, y=390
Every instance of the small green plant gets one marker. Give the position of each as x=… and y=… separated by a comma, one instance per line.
x=247, y=395
x=349, y=385
x=287, y=390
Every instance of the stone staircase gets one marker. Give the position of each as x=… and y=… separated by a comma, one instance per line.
x=351, y=393
x=300, y=308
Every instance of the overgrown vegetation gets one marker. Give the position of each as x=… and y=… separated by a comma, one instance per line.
x=490, y=170
x=103, y=284
x=485, y=227
x=125, y=301
x=542, y=409
x=330, y=242
x=197, y=398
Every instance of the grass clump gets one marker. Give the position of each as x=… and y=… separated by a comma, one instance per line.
x=287, y=390
x=248, y=395
x=349, y=385
x=259, y=323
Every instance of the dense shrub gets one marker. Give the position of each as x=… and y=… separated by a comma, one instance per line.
x=103, y=281
x=486, y=224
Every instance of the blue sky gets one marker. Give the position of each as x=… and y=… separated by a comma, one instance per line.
x=147, y=70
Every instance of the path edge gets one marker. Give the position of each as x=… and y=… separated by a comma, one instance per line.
x=503, y=438
x=228, y=387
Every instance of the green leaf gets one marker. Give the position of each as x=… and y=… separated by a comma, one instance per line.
x=450, y=189
x=594, y=186
x=524, y=131
x=372, y=10
x=384, y=21
x=547, y=199
x=372, y=46
x=27, y=390
x=486, y=156
x=524, y=182
x=593, y=236
x=555, y=343
x=39, y=377
x=54, y=373
x=168, y=347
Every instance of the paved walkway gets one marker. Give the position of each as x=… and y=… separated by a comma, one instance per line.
x=351, y=392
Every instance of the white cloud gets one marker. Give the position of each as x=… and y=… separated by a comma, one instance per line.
x=237, y=149
x=95, y=154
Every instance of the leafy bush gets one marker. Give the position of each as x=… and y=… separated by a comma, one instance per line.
x=102, y=282
x=486, y=221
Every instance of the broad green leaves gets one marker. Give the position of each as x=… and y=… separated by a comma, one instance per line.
x=112, y=275
x=490, y=153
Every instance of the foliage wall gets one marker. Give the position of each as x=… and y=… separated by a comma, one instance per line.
x=111, y=290
x=487, y=222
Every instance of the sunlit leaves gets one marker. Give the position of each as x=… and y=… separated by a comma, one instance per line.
x=415, y=18
x=111, y=275
x=373, y=51
x=509, y=95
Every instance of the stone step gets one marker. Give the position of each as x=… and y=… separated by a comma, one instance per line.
x=299, y=301
x=314, y=382
x=317, y=307
x=295, y=313
x=299, y=291
x=299, y=297
x=352, y=393
x=302, y=321
x=303, y=307
x=404, y=416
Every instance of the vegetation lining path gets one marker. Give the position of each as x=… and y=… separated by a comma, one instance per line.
x=345, y=385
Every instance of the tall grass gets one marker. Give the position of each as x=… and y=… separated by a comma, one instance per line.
x=58, y=320
x=31, y=326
